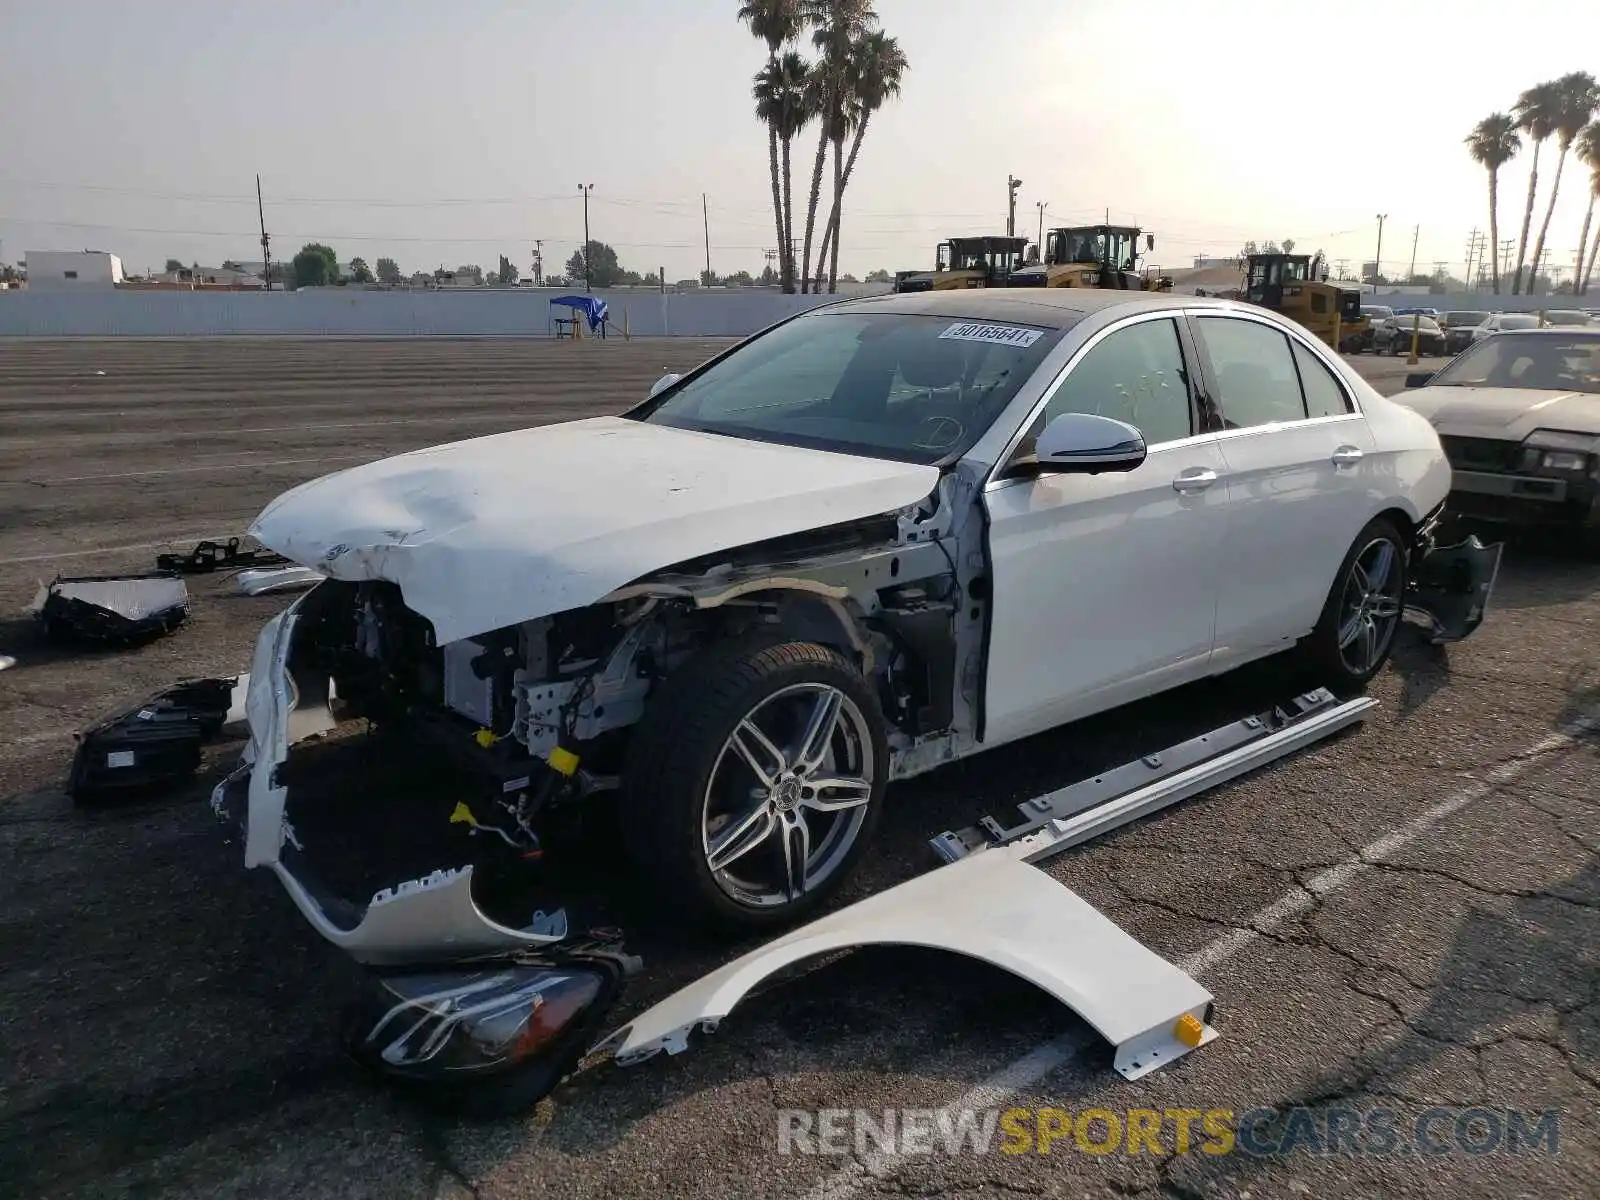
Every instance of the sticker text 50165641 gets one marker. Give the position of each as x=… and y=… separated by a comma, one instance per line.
x=1004, y=335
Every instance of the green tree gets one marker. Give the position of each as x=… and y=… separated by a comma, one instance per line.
x=508, y=271
x=777, y=23
x=388, y=271
x=880, y=276
x=1493, y=142
x=359, y=271
x=739, y=279
x=469, y=271
x=173, y=265
x=229, y=264
x=1577, y=98
x=604, y=269
x=1536, y=111
x=837, y=25
x=315, y=266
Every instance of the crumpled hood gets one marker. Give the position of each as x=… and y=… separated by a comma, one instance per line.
x=1509, y=413
x=485, y=533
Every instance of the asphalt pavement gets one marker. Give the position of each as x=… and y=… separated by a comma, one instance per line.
x=1399, y=925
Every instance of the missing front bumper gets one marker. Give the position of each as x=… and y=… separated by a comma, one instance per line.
x=1451, y=585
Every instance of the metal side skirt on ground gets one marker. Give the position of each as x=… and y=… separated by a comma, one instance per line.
x=990, y=907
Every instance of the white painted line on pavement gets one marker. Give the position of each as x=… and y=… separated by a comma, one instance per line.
x=234, y=466
x=1037, y=1063
x=171, y=541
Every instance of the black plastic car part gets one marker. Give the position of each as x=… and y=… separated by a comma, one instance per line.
x=114, y=609
x=154, y=743
x=207, y=557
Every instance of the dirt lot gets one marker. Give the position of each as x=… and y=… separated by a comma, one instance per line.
x=1401, y=919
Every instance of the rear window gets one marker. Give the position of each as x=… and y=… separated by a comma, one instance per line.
x=1465, y=318
x=1519, y=321
x=888, y=385
x=1556, y=316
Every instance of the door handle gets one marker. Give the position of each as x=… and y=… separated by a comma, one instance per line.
x=1346, y=456
x=1195, y=479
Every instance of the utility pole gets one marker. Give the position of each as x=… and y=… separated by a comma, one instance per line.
x=1012, y=184
x=1412, y=273
x=1041, y=204
x=705, y=216
x=1377, y=264
x=538, y=262
x=266, y=258
x=1506, y=247
x=588, y=274
x=1473, y=247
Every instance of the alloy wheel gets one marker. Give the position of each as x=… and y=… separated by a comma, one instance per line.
x=1370, y=607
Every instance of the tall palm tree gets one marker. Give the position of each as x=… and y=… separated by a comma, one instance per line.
x=1536, y=111
x=876, y=70
x=1587, y=145
x=1577, y=97
x=838, y=25
x=783, y=101
x=776, y=22
x=1493, y=142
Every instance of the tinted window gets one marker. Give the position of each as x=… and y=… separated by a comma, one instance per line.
x=1324, y=396
x=1557, y=362
x=1255, y=375
x=1134, y=375
x=891, y=385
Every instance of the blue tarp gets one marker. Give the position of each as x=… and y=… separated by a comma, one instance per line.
x=592, y=307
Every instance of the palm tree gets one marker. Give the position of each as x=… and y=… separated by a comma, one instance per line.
x=1536, y=111
x=1493, y=142
x=839, y=24
x=876, y=69
x=782, y=98
x=1587, y=144
x=1577, y=96
x=776, y=22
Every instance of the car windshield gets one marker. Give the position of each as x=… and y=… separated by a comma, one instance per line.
x=1556, y=316
x=1454, y=319
x=1556, y=362
x=1519, y=321
x=1377, y=312
x=1426, y=324
x=888, y=385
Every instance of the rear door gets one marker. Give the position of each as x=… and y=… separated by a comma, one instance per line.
x=1299, y=459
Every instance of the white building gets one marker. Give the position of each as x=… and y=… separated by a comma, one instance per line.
x=58, y=270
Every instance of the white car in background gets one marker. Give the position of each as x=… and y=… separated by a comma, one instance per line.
x=1505, y=322
x=876, y=538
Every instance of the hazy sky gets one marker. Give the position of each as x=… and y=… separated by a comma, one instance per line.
x=446, y=133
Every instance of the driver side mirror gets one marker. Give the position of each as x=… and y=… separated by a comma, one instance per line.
x=1149, y=241
x=1419, y=379
x=1084, y=443
x=664, y=382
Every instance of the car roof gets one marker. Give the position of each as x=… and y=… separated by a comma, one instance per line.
x=1052, y=308
x=1561, y=331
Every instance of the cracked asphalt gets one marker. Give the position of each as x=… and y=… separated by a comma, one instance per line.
x=1402, y=920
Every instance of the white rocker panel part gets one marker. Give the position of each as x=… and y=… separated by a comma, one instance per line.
x=989, y=906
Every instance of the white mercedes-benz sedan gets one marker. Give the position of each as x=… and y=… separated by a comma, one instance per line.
x=870, y=540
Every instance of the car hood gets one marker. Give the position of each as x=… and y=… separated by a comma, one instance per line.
x=1508, y=413
x=485, y=533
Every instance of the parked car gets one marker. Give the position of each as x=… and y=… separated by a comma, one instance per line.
x=1566, y=318
x=1458, y=325
x=871, y=540
x=1519, y=417
x=1361, y=342
x=1500, y=322
x=1394, y=336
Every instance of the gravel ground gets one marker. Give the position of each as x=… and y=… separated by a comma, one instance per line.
x=167, y=1020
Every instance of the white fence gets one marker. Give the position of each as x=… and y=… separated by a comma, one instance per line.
x=345, y=312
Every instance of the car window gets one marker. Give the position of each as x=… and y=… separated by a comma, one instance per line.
x=915, y=388
x=1255, y=374
x=1324, y=396
x=1134, y=375
x=1546, y=361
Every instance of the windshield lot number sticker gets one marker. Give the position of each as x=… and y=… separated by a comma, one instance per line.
x=1005, y=335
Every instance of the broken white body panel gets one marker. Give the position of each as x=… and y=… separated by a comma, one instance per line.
x=489, y=532
x=992, y=907
x=260, y=580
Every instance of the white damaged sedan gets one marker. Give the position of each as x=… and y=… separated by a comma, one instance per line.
x=872, y=539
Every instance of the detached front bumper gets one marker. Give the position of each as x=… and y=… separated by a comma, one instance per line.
x=421, y=920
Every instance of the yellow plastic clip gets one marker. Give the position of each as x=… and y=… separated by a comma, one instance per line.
x=1189, y=1030
x=563, y=761
x=463, y=815
x=486, y=738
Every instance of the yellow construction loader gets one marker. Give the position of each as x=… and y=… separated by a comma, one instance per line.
x=1092, y=256
x=971, y=262
x=1297, y=286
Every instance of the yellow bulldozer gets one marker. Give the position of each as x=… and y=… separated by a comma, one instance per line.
x=1092, y=256
x=970, y=262
x=1297, y=286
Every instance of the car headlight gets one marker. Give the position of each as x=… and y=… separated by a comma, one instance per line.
x=1564, y=460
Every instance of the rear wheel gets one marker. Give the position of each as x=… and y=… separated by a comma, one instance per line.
x=1355, y=634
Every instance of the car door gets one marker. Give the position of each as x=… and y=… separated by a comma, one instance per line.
x=1104, y=586
x=1299, y=462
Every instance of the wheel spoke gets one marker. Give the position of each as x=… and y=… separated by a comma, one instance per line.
x=836, y=794
x=818, y=734
x=1350, y=630
x=796, y=835
x=750, y=744
x=1384, y=607
x=1359, y=577
x=743, y=836
x=1369, y=643
x=1378, y=578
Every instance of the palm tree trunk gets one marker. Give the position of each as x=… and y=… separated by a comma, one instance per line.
x=1583, y=239
x=1494, y=230
x=786, y=237
x=777, y=193
x=833, y=220
x=830, y=235
x=816, y=191
x=1544, y=228
x=1527, y=221
x=1594, y=253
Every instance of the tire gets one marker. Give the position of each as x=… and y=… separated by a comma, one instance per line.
x=685, y=782
x=1339, y=668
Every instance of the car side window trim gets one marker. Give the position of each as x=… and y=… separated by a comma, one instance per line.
x=1190, y=371
x=1314, y=345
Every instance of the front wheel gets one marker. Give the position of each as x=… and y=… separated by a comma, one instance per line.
x=1355, y=634
x=755, y=781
